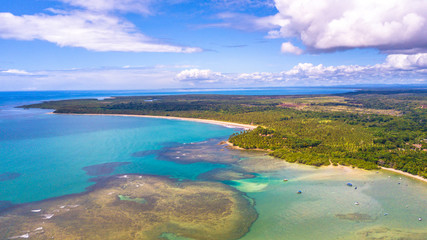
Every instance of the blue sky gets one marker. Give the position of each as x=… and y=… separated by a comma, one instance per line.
x=147, y=44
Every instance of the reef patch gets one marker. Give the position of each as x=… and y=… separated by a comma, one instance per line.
x=136, y=207
x=381, y=232
x=103, y=168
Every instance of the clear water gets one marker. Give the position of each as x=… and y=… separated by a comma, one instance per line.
x=283, y=214
x=49, y=151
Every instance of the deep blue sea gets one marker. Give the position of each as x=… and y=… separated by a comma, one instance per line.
x=46, y=155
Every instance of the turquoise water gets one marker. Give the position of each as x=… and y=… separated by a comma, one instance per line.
x=43, y=156
x=283, y=214
x=50, y=157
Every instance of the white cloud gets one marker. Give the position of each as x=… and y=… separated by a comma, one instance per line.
x=328, y=25
x=408, y=62
x=138, y=6
x=93, y=31
x=15, y=71
x=288, y=47
x=393, y=71
x=239, y=21
x=303, y=74
x=199, y=75
x=350, y=72
x=94, y=27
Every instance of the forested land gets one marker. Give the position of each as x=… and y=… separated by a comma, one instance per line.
x=365, y=129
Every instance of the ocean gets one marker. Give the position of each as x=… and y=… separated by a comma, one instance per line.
x=45, y=156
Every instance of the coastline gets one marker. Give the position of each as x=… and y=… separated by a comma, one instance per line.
x=405, y=174
x=216, y=122
x=232, y=146
x=230, y=125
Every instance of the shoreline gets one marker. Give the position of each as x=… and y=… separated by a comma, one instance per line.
x=229, y=125
x=232, y=146
x=215, y=122
x=405, y=174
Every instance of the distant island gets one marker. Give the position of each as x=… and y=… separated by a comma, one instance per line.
x=367, y=129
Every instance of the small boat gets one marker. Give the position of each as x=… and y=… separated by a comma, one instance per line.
x=299, y=192
x=285, y=180
x=356, y=203
x=349, y=184
x=420, y=219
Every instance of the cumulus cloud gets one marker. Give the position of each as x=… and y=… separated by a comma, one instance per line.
x=288, y=47
x=328, y=25
x=199, y=75
x=407, y=62
x=393, y=71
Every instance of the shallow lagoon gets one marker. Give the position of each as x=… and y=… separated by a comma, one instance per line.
x=50, y=152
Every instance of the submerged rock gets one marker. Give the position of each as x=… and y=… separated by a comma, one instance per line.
x=354, y=216
x=8, y=176
x=380, y=232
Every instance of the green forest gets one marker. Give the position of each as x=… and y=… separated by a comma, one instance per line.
x=365, y=129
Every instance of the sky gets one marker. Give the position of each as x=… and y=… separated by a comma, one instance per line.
x=165, y=44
